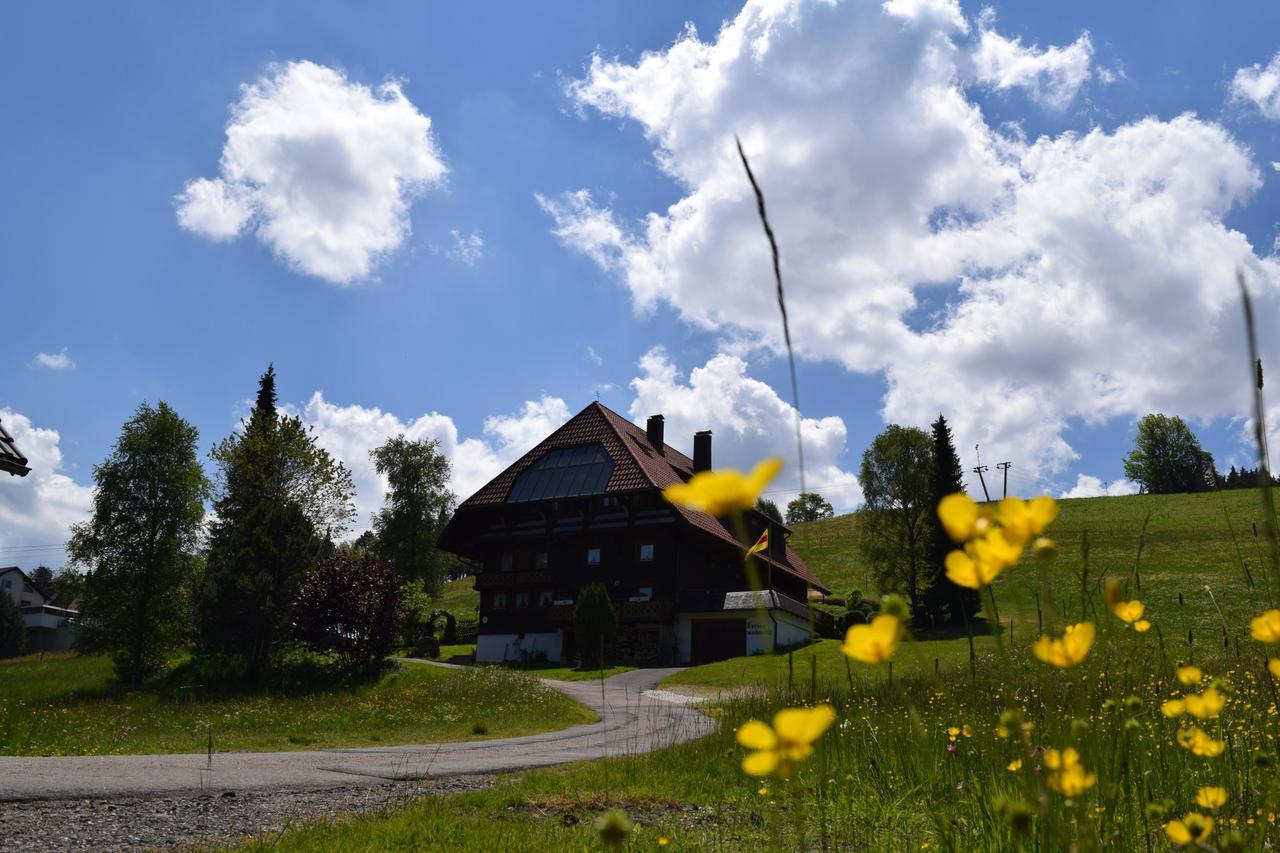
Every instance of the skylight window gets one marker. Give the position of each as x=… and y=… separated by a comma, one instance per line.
x=564, y=472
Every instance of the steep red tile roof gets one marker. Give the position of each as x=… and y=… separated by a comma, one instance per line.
x=637, y=466
x=11, y=459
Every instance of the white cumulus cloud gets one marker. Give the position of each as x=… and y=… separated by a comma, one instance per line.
x=1051, y=76
x=748, y=421
x=38, y=509
x=1088, y=486
x=1018, y=286
x=55, y=360
x=1260, y=86
x=321, y=168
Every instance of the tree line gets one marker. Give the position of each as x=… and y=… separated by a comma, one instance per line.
x=260, y=574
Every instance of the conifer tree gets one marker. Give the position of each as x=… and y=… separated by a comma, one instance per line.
x=279, y=499
x=944, y=598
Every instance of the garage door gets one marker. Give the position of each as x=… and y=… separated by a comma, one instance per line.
x=717, y=639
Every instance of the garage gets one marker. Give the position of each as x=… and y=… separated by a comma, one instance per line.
x=717, y=639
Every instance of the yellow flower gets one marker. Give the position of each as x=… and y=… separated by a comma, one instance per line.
x=1022, y=520
x=1070, y=649
x=662, y=841
x=1189, y=675
x=873, y=643
x=1069, y=777
x=1207, y=705
x=1142, y=626
x=966, y=730
x=723, y=492
x=959, y=516
x=1193, y=827
x=1211, y=797
x=788, y=741
x=1199, y=743
x=1266, y=627
x=1044, y=547
x=1015, y=765
x=953, y=733
x=1173, y=708
x=982, y=560
x=1273, y=666
x=1129, y=611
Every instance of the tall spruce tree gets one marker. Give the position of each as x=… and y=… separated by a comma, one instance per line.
x=279, y=498
x=946, y=600
x=140, y=545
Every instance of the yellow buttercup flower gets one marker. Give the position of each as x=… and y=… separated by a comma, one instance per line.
x=1207, y=705
x=1070, y=649
x=1266, y=627
x=1023, y=520
x=723, y=492
x=1273, y=666
x=1193, y=828
x=788, y=741
x=1199, y=743
x=1129, y=611
x=982, y=560
x=1174, y=708
x=1044, y=547
x=1189, y=675
x=1142, y=626
x=1014, y=765
x=1210, y=797
x=874, y=643
x=1068, y=777
x=959, y=516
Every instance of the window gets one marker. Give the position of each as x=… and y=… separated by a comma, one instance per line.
x=522, y=600
x=593, y=556
x=646, y=553
x=564, y=472
x=545, y=598
x=8, y=584
x=540, y=560
x=499, y=601
x=508, y=562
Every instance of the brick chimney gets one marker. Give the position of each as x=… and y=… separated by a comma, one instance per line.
x=654, y=430
x=702, y=451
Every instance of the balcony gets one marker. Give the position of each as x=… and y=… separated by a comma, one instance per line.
x=504, y=580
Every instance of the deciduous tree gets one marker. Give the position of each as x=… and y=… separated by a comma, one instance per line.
x=13, y=631
x=808, y=506
x=350, y=605
x=417, y=507
x=1167, y=458
x=595, y=622
x=769, y=509
x=139, y=546
x=897, y=484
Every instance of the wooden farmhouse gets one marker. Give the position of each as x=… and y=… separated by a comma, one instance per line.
x=586, y=506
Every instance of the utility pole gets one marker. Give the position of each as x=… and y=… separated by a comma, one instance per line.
x=1005, y=466
x=978, y=470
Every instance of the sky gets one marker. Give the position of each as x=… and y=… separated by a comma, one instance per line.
x=466, y=222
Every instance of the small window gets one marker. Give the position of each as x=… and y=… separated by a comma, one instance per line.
x=508, y=562
x=540, y=560
x=499, y=601
x=8, y=584
x=545, y=598
x=522, y=600
x=646, y=553
x=645, y=593
x=593, y=556
x=610, y=501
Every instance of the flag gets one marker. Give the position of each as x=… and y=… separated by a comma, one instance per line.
x=761, y=543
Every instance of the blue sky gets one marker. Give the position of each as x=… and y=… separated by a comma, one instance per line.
x=112, y=111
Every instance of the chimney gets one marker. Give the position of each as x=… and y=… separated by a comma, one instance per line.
x=654, y=429
x=702, y=451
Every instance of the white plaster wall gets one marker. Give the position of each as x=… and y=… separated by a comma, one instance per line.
x=496, y=648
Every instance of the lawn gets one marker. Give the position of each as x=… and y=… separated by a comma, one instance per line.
x=67, y=705
x=943, y=757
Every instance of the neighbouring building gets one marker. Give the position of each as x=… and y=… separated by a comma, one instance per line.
x=586, y=506
x=49, y=627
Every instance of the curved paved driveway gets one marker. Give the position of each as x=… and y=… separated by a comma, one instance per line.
x=630, y=722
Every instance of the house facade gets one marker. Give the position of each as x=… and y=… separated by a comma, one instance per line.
x=49, y=627
x=586, y=506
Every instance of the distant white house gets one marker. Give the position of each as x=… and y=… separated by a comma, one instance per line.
x=49, y=627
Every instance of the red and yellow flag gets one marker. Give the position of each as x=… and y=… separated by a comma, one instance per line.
x=761, y=543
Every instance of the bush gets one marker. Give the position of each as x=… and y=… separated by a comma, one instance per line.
x=594, y=622
x=350, y=605
x=13, y=631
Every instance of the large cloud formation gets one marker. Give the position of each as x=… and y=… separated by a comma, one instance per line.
x=321, y=168
x=1016, y=285
x=38, y=510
